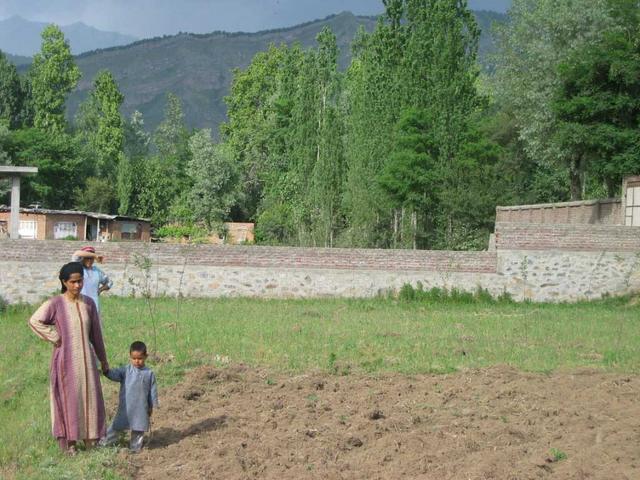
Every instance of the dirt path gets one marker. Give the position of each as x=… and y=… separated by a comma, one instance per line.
x=498, y=423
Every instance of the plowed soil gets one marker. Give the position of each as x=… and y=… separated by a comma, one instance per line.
x=497, y=423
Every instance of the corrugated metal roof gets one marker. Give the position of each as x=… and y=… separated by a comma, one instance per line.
x=101, y=216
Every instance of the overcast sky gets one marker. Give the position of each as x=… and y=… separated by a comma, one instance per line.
x=148, y=18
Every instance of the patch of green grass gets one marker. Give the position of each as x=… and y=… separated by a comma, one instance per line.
x=339, y=336
x=558, y=455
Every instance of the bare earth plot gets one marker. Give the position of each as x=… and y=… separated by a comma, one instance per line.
x=494, y=423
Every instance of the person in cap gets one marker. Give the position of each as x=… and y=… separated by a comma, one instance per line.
x=95, y=280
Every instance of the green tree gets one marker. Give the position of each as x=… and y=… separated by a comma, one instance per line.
x=101, y=126
x=411, y=178
x=11, y=94
x=60, y=170
x=109, y=137
x=125, y=184
x=136, y=138
x=27, y=110
x=156, y=191
x=53, y=74
x=131, y=164
x=598, y=100
x=5, y=184
x=259, y=126
x=97, y=196
x=441, y=68
x=214, y=179
x=374, y=100
x=327, y=173
x=540, y=35
x=171, y=138
x=422, y=55
x=151, y=185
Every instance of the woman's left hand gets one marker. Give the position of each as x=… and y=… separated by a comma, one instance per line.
x=105, y=367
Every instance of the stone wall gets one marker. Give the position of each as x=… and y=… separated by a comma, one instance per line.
x=537, y=262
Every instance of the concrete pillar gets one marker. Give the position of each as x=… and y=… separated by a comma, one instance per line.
x=14, y=224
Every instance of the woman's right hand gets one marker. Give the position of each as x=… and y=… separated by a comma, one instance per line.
x=58, y=343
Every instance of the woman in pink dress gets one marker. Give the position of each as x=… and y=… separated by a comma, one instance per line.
x=71, y=323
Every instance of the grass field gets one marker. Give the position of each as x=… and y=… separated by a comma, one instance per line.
x=337, y=336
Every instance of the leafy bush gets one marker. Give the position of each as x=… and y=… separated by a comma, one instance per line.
x=275, y=226
x=408, y=293
x=181, y=231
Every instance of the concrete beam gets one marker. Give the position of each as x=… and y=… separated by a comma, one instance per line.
x=11, y=171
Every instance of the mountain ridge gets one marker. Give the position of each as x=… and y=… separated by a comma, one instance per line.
x=21, y=37
x=198, y=67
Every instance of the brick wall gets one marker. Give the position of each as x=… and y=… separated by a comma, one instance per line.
x=53, y=219
x=255, y=256
x=115, y=229
x=573, y=238
x=595, y=212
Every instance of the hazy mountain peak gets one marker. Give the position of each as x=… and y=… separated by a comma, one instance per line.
x=19, y=36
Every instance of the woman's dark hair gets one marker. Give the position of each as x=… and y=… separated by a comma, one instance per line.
x=67, y=270
x=138, y=347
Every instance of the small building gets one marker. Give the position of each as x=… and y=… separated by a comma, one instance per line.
x=45, y=224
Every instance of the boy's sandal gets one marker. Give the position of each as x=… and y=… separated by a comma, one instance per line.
x=71, y=451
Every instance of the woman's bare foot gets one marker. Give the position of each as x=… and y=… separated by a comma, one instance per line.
x=68, y=448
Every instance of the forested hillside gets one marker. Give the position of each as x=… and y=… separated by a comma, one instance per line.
x=199, y=68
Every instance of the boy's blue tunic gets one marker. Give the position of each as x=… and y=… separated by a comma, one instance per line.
x=138, y=395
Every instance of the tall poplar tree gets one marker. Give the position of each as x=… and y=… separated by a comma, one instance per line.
x=109, y=136
x=11, y=94
x=373, y=104
x=132, y=164
x=53, y=75
x=441, y=66
x=327, y=172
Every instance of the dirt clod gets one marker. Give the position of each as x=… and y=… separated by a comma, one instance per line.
x=354, y=442
x=193, y=394
x=376, y=415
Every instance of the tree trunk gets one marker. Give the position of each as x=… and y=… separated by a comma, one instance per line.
x=414, y=228
x=575, y=174
x=402, y=227
x=395, y=228
x=612, y=187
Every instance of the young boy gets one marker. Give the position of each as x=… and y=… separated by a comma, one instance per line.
x=138, y=397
